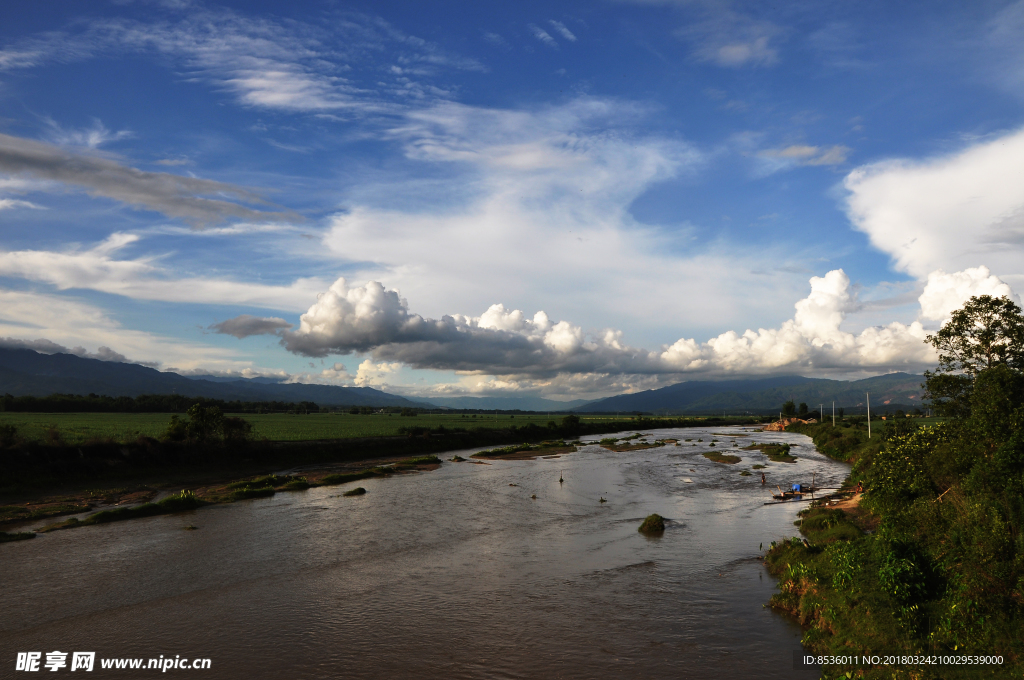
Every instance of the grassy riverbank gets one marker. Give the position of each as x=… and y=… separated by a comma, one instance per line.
x=80, y=428
x=243, y=489
x=930, y=560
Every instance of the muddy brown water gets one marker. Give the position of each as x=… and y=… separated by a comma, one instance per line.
x=445, y=574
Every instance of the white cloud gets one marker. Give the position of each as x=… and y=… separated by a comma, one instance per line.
x=562, y=30
x=91, y=137
x=534, y=198
x=335, y=374
x=330, y=66
x=98, y=268
x=949, y=212
x=524, y=352
x=945, y=293
x=371, y=374
x=543, y=36
x=11, y=203
x=51, y=323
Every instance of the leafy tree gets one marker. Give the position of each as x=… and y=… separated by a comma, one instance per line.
x=8, y=435
x=571, y=423
x=803, y=408
x=235, y=429
x=997, y=393
x=789, y=408
x=177, y=429
x=204, y=422
x=985, y=333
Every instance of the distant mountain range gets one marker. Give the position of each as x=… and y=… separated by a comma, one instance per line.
x=505, y=403
x=766, y=395
x=25, y=372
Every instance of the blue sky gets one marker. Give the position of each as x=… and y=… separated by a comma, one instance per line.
x=681, y=189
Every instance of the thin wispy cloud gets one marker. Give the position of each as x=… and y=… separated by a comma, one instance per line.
x=187, y=198
x=802, y=154
x=91, y=137
x=495, y=39
x=143, y=278
x=12, y=203
x=290, y=66
x=562, y=30
x=543, y=36
x=729, y=38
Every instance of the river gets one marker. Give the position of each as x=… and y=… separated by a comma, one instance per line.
x=453, y=573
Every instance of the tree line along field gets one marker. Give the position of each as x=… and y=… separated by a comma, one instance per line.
x=77, y=428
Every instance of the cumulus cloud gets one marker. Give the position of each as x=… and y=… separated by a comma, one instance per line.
x=948, y=212
x=375, y=374
x=245, y=325
x=41, y=345
x=535, y=197
x=516, y=347
x=44, y=346
x=945, y=293
x=335, y=374
x=172, y=195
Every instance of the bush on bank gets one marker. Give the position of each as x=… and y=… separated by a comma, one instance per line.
x=943, y=571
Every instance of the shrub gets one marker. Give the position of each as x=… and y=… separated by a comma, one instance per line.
x=8, y=435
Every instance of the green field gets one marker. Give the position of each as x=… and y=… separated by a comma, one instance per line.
x=76, y=428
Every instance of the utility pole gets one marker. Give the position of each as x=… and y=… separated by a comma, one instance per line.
x=833, y=414
x=869, y=414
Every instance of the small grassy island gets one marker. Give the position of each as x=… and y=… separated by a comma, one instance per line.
x=628, y=444
x=777, y=453
x=653, y=524
x=726, y=458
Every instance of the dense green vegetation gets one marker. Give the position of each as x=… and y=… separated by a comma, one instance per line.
x=145, y=403
x=932, y=560
x=722, y=457
x=78, y=428
x=185, y=500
